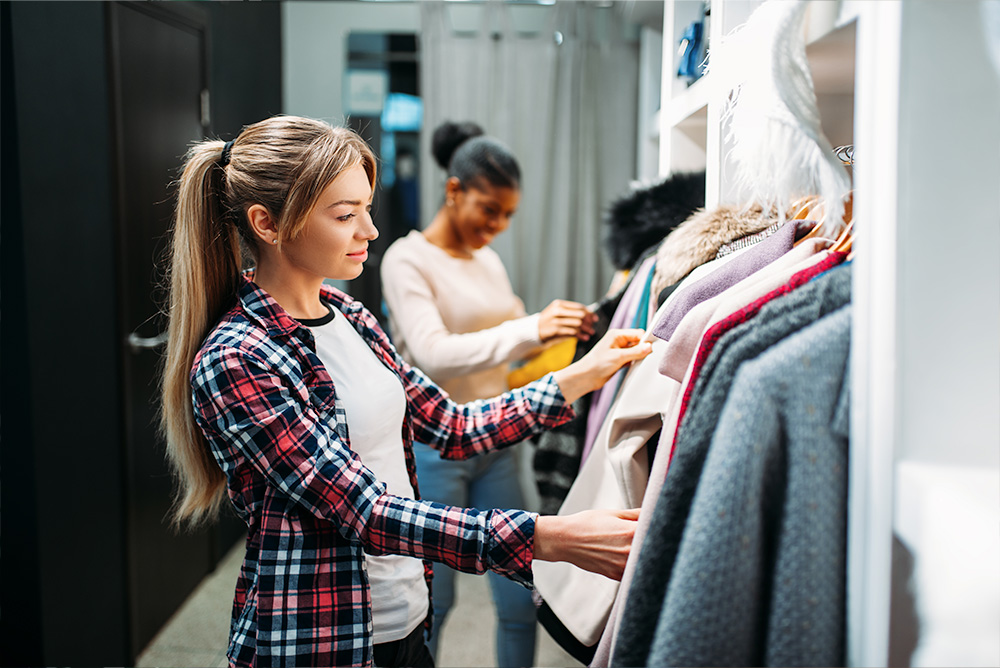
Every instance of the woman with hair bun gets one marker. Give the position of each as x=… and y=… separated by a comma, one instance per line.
x=453, y=314
x=284, y=395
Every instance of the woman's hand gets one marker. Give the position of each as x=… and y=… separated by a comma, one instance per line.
x=615, y=349
x=562, y=318
x=594, y=540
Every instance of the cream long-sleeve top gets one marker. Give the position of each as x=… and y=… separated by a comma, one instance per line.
x=456, y=319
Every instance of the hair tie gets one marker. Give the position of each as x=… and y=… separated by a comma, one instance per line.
x=226, y=153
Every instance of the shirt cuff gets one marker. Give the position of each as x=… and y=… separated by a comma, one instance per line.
x=548, y=401
x=512, y=544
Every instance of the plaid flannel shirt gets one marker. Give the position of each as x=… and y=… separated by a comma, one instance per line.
x=269, y=411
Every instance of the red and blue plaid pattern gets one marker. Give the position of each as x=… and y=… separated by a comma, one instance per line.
x=268, y=409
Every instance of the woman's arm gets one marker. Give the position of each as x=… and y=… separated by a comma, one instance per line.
x=460, y=431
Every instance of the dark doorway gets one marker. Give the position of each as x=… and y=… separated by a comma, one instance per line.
x=160, y=83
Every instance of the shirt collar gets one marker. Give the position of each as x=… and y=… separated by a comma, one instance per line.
x=275, y=320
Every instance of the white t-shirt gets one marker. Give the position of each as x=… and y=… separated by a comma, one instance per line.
x=374, y=402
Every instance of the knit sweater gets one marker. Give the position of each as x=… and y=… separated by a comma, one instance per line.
x=457, y=319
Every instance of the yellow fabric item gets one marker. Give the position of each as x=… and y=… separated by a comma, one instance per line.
x=557, y=356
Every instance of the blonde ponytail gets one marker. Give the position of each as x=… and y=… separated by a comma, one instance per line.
x=203, y=275
x=283, y=163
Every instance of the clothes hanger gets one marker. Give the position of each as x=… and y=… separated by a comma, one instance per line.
x=814, y=208
x=845, y=240
x=799, y=210
x=818, y=213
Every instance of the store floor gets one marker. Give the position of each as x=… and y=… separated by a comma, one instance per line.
x=196, y=635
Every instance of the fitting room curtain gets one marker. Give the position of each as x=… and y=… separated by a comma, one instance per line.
x=559, y=85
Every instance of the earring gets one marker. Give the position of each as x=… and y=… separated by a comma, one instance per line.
x=274, y=241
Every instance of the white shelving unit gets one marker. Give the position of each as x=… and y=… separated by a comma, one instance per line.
x=915, y=86
x=691, y=131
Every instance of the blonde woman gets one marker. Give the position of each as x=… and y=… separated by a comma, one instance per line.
x=284, y=394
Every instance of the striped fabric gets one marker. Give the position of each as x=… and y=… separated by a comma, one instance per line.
x=747, y=241
x=269, y=411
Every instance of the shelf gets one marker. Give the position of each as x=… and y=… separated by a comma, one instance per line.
x=831, y=60
x=690, y=107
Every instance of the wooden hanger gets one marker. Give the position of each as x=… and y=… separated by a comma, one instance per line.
x=845, y=241
x=799, y=210
x=818, y=213
x=802, y=209
x=812, y=210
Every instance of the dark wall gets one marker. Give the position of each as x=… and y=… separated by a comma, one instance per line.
x=67, y=432
x=18, y=549
x=62, y=543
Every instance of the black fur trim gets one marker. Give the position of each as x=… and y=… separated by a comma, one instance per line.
x=640, y=219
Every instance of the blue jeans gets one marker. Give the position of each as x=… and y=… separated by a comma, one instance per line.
x=484, y=482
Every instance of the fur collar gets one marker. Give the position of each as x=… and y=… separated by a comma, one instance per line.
x=639, y=220
x=698, y=239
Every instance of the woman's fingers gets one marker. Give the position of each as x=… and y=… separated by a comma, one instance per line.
x=629, y=513
x=624, y=338
x=618, y=348
x=564, y=318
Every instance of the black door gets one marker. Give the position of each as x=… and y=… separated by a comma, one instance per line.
x=159, y=71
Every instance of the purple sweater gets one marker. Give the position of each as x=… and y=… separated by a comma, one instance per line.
x=751, y=260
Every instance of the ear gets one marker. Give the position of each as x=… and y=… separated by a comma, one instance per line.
x=262, y=224
x=452, y=188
